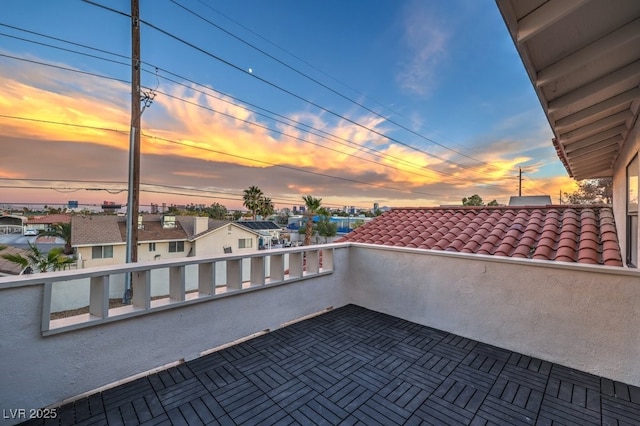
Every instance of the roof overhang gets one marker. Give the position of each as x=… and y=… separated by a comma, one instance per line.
x=583, y=59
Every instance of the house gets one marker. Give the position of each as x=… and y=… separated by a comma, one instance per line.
x=530, y=200
x=46, y=222
x=100, y=240
x=581, y=234
x=583, y=60
x=270, y=232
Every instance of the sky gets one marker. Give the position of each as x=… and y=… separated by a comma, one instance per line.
x=409, y=103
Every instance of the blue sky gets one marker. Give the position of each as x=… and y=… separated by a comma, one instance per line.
x=412, y=103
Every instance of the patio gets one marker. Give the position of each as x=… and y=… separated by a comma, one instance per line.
x=356, y=366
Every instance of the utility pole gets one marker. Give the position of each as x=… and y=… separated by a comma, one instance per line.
x=520, y=183
x=133, y=198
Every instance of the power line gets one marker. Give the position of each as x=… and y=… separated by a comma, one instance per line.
x=282, y=89
x=361, y=147
x=325, y=86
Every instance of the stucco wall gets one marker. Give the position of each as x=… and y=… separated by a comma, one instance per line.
x=37, y=371
x=586, y=317
x=629, y=150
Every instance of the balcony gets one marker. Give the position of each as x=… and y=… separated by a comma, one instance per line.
x=333, y=333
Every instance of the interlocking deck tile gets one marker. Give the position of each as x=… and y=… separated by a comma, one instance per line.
x=370, y=369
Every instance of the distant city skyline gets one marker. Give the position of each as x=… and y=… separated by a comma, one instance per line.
x=412, y=103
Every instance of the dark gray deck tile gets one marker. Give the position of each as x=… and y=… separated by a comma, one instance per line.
x=344, y=364
x=320, y=410
x=126, y=393
x=320, y=378
x=220, y=376
x=437, y=363
x=421, y=341
x=381, y=342
x=469, y=376
x=390, y=363
x=257, y=411
x=404, y=394
x=162, y=420
x=460, y=394
x=348, y=394
x=340, y=342
x=252, y=362
x=177, y=419
x=270, y=377
x=236, y=352
x=438, y=411
x=205, y=363
x=291, y=395
x=320, y=351
x=620, y=411
x=563, y=411
x=406, y=351
x=278, y=352
x=500, y=411
x=529, y=363
x=371, y=378
x=363, y=352
x=525, y=377
x=422, y=377
x=181, y=393
x=298, y=363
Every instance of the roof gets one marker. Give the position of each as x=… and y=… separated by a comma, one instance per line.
x=259, y=224
x=49, y=219
x=110, y=229
x=584, y=234
x=8, y=267
x=583, y=59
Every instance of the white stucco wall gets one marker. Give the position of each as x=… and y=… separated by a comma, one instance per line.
x=586, y=317
x=629, y=150
x=213, y=244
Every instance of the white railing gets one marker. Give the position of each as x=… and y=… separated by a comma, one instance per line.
x=240, y=273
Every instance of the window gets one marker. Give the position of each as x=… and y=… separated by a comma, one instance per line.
x=101, y=252
x=632, y=212
x=245, y=243
x=152, y=246
x=176, y=246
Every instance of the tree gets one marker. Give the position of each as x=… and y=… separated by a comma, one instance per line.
x=40, y=261
x=251, y=199
x=265, y=206
x=474, y=200
x=217, y=211
x=62, y=231
x=592, y=191
x=326, y=228
x=312, y=205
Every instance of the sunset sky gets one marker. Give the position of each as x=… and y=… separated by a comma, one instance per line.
x=401, y=103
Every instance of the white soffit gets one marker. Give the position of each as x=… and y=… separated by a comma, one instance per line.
x=583, y=58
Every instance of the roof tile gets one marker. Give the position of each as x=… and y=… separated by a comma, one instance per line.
x=564, y=233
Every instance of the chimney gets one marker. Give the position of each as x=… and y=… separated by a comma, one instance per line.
x=200, y=224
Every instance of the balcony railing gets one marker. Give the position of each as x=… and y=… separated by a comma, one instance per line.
x=580, y=316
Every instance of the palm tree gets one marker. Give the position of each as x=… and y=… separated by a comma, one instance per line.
x=265, y=207
x=312, y=206
x=62, y=231
x=251, y=198
x=40, y=261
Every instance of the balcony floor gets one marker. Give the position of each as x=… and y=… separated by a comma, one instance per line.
x=356, y=366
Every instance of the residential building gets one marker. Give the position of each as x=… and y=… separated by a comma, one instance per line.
x=100, y=240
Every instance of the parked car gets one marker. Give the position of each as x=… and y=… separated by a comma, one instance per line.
x=29, y=232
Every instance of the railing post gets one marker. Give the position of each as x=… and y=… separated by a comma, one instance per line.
x=207, y=278
x=257, y=270
x=99, y=296
x=295, y=265
x=327, y=260
x=312, y=262
x=46, y=306
x=276, y=268
x=141, y=289
x=176, y=283
x=234, y=274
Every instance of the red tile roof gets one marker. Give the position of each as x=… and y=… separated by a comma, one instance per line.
x=562, y=233
x=50, y=219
